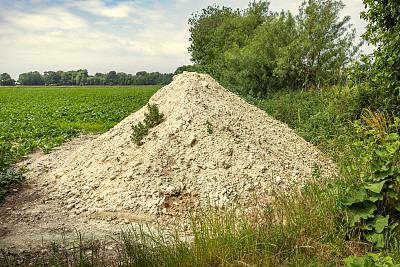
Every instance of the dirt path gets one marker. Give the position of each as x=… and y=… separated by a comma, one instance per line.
x=29, y=219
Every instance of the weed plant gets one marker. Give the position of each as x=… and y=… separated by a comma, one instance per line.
x=151, y=119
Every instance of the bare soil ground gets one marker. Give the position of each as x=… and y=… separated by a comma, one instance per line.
x=30, y=221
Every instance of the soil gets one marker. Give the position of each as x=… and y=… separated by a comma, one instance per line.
x=212, y=148
x=29, y=222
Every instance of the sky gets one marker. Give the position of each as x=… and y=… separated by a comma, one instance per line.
x=103, y=35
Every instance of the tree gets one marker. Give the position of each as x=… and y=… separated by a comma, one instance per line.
x=189, y=68
x=327, y=41
x=255, y=51
x=81, y=77
x=52, y=78
x=111, y=78
x=383, y=29
x=6, y=80
x=68, y=78
x=216, y=30
x=122, y=78
x=269, y=61
x=31, y=78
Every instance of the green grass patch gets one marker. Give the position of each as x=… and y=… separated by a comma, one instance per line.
x=44, y=117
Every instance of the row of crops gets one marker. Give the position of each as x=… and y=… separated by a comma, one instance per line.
x=38, y=117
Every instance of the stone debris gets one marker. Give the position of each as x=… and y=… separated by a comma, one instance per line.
x=212, y=147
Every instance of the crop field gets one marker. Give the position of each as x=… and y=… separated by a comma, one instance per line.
x=44, y=117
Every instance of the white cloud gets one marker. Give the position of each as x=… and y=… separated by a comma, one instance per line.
x=49, y=18
x=99, y=8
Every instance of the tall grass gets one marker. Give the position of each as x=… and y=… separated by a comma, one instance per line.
x=302, y=229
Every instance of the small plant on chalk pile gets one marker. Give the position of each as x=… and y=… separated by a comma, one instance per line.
x=209, y=127
x=152, y=118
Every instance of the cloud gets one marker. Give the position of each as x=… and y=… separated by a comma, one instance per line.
x=125, y=36
x=100, y=8
x=49, y=18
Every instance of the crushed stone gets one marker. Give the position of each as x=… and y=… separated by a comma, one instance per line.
x=212, y=148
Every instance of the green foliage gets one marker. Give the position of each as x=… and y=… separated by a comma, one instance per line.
x=45, y=117
x=257, y=52
x=6, y=80
x=81, y=78
x=5, y=155
x=370, y=260
x=189, y=68
x=153, y=118
x=31, y=78
x=257, y=67
x=216, y=30
x=376, y=199
x=209, y=127
x=8, y=178
x=382, y=75
x=327, y=42
x=139, y=131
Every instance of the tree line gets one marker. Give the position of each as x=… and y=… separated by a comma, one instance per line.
x=257, y=51
x=81, y=78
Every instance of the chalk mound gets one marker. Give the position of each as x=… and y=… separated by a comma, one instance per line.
x=211, y=148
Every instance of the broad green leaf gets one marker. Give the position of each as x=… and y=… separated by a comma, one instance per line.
x=376, y=186
x=397, y=206
x=380, y=222
x=354, y=261
x=377, y=240
x=379, y=175
x=381, y=152
x=393, y=194
x=355, y=196
x=375, y=167
x=373, y=197
x=356, y=214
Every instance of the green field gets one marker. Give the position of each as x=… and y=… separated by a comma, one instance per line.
x=44, y=117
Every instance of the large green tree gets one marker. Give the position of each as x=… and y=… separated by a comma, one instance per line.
x=327, y=41
x=52, y=77
x=383, y=75
x=255, y=51
x=6, y=80
x=269, y=61
x=215, y=30
x=31, y=78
